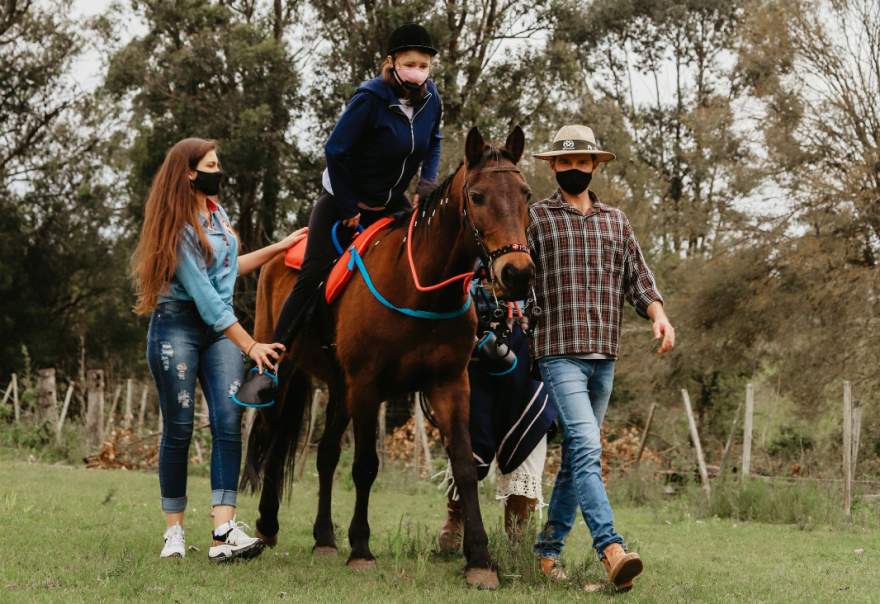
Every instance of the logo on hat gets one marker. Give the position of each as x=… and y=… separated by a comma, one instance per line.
x=569, y=144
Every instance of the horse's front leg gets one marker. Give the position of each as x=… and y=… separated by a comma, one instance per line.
x=451, y=404
x=364, y=406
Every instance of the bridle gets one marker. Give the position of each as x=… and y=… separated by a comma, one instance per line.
x=486, y=255
x=489, y=257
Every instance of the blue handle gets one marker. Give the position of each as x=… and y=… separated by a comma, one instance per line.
x=335, y=238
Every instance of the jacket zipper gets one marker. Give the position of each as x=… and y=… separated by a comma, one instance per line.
x=412, y=148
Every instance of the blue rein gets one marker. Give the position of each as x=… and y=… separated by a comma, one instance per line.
x=357, y=261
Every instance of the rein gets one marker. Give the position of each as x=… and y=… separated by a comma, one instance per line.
x=356, y=261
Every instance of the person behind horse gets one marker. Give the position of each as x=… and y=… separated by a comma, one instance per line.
x=588, y=262
x=389, y=130
x=185, y=267
x=510, y=415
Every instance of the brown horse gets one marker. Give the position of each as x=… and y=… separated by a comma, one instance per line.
x=378, y=353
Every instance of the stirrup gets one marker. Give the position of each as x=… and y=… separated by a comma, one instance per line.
x=255, y=370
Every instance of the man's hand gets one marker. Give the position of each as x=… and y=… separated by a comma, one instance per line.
x=352, y=222
x=663, y=329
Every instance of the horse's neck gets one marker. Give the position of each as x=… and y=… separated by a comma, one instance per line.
x=443, y=244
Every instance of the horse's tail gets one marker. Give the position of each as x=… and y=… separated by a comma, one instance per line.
x=272, y=444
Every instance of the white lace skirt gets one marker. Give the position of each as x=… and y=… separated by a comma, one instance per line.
x=524, y=480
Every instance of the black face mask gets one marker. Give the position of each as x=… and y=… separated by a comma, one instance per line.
x=208, y=182
x=574, y=181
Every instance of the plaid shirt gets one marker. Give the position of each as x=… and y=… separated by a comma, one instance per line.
x=587, y=264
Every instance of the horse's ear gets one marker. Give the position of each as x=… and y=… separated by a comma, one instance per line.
x=516, y=143
x=474, y=146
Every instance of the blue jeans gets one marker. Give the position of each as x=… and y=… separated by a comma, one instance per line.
x=580, y=389
x=181, y=349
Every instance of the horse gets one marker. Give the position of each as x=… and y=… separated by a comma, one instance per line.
x=378, y=351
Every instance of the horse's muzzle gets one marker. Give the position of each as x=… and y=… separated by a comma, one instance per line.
x=515, y=278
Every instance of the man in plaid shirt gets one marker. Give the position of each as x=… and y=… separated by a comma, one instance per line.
x=588, y=262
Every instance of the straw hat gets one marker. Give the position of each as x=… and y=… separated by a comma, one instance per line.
x=574, y=139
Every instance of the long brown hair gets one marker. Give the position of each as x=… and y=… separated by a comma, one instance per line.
x=170, y=206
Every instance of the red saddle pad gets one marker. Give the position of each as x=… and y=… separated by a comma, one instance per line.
x=340, y=275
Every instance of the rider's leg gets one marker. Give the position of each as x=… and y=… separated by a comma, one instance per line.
x=319, y=257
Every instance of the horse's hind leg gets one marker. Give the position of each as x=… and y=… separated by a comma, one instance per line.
x=287, y=419
x=364, y=409
x=328, y=457
x=450, y=402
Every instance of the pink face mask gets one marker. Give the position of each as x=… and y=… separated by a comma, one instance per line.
x=414, y=75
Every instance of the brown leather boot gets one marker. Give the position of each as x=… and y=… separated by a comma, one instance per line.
x=622, y=567
x=550, y=567
x=517, y=510
x=451, y=532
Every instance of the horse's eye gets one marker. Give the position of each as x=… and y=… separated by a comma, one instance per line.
x=477, y=198
x=528, y=194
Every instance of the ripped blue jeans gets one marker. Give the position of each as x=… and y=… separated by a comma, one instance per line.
x=181, y=349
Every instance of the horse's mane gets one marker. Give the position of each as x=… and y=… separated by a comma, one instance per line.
x=430, y=203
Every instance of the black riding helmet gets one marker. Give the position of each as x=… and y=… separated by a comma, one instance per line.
x=411, y=36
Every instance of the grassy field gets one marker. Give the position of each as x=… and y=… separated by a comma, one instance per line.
x=76, y=535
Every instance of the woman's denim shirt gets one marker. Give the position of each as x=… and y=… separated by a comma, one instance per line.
x=209, y=287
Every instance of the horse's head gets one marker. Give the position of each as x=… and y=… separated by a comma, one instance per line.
x=496, y=199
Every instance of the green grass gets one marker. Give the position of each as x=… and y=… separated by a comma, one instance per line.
x=71, y=534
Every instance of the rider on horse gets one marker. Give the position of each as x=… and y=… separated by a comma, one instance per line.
x=390, y=129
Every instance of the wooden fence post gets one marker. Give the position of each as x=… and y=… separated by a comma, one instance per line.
x=64, y=413
x=95, y=407
x=747, y=431
x=380, y=438
x=159, y=426
x=728, y=446
x=12, y=391
x=317, y=395
x=847, y=447
x=111, y=418
x=692, y=424
x=143, y=409
x=47, y=396
x=856, y=435
x=128, y=418
x=645, y=433
x=15, y=400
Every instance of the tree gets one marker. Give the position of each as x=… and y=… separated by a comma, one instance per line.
x=220, y=71
x=60, y=270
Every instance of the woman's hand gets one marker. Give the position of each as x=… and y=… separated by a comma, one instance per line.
x=352, y=222
x=295, y=236
x=265, y=354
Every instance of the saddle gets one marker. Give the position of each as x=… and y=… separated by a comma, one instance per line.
x=341, y=273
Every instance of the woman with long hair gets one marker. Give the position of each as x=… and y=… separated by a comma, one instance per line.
x=184, y=268
x=389, y=130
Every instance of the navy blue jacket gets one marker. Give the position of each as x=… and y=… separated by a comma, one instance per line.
x=374, y=150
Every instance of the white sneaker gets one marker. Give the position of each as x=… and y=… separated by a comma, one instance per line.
x=236, y=543
x=175, y=547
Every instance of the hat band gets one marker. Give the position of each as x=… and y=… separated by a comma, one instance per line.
x=573, y=144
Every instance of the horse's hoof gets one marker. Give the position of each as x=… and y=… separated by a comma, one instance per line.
x=324, y=550
x=361, y=564
x=270, y=541
x=482, y=578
